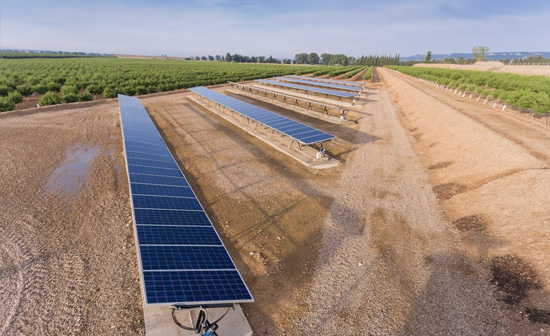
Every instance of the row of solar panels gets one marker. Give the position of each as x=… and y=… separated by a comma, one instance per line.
x=335, y=81
x=257, y=89
x=182, y=259
x=354, y=89
x=333, y=93
x=304, y=134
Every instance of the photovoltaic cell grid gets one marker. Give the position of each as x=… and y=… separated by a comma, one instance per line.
x=293, y=129
x=308, y=88
x=182, y=258
x=335, y=81
x=324, y=85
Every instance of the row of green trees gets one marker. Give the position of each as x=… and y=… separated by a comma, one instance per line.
x=325, y=59
x=376, y=60
x=354, y=72
x=81, y=79
x=252, y=59
x=525, y=92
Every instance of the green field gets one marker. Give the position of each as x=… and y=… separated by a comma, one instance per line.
x=80, y=79
x=524, y=92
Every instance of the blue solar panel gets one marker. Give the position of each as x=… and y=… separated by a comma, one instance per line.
x=156, y=157
x=171, y=217
x=161, y=190
x=155, y=235
x=154, y=171
x=274, y=121
x=326, y=80
x=308, y=88
x=182, y=259
x=194, y=287
x=327, y=85
x=152, y=163
x=163, y=180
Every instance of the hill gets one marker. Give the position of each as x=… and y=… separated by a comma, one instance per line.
x=492, y=56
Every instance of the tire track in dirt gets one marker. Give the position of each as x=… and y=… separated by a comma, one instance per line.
x=11, y=299
x=394, y=267
x=533, y=137
x=491, y=187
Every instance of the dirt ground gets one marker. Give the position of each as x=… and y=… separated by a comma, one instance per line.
x=540, y=70
x=404, y=237
x=67, y=257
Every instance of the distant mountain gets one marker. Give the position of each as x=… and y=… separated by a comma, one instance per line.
x=491, y=56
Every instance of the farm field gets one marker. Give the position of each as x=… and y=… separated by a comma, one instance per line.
x=532, y=70
x=524, y=92
x=24, y=83
x=434, y=223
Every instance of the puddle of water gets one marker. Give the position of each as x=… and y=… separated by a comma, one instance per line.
x=73, y=171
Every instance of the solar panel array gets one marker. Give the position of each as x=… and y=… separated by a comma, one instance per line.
x=302, y=133
x=335, y=81
x=244, y=86
x=321, y=84
x=308, y=88
x=182, y=259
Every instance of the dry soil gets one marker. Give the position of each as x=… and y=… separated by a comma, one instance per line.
x=433, y=224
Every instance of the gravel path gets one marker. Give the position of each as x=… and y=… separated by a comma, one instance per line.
x=388, y=262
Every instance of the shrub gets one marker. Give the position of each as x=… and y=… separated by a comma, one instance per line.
x=85, y=96
x=49, y=98
x=69, y=89
x=15, y=97
x=110, y=92
x=94, y=89
x=368, y=74
x=6, y=104
x=70, y=97
x=4, y=90
x=24, y=90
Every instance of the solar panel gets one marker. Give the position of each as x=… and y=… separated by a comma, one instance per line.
x=249, y=87
x=182, y=259
x=315, y=79
x=325, y=85
x=302, y=133
x=308, y=88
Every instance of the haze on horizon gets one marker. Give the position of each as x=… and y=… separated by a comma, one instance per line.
x=278, y=28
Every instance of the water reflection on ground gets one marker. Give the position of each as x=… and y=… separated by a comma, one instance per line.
x=73, y=171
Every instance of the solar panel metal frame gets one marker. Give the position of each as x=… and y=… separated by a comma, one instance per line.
x=179, y=225
x=319, y=84
x=307, y=88
x=327, y=80
x=271, y=120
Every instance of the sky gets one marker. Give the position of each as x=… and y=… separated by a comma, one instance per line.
x=280, y=28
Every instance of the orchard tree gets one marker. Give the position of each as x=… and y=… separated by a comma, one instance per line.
x=301, y=58
x=325, y=58
x=228, y=57
x=313, y=58
x=428, y=57
x=49, y=98
x=480, y=53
